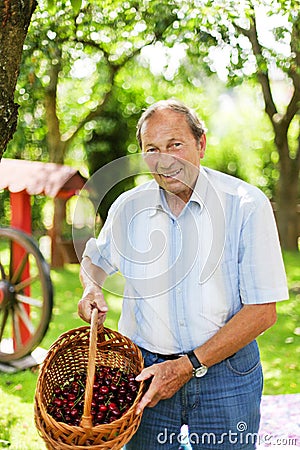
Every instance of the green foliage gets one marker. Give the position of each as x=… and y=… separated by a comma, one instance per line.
x=37, y=204
x=4, y=208
x=240, y=139
x=76, y=5
x=90, y=60
x=105, y=142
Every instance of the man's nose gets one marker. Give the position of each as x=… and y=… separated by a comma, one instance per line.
x=165, y=160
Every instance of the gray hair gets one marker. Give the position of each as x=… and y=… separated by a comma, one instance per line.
x=196, y=125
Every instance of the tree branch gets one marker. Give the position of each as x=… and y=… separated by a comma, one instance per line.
x=292, y=108
x=91, y=115
x=53, y=136
x=114, y=69
x=262, y=75
x=294, y=74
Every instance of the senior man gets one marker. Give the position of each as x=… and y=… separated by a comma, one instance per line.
x=203, y=270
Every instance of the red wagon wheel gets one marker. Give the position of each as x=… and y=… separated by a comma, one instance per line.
x=26, y=295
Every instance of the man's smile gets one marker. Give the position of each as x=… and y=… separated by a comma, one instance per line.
x=170, y=174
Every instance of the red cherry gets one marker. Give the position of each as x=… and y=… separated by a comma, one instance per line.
x=74, y=413
x=75, y=385
x=116, y=412
x=65, y=392
x=112, y=406
x=58, y=402
x=114, y=387
x=104, y=389
x=96, y=385
x=57, y=391
x=129, y=398
x=103, y=408
x=57, y=415
x=133, y=387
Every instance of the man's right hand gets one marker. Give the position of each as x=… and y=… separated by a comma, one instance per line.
x=92, y=278
x=92, y=297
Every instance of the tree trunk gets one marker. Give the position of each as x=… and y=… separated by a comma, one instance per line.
x=287, y=214
x=56, y=155
x=287, y=195
x=15, y=18
x=57, y=258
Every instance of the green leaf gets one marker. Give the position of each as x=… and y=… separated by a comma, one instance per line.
x=51, y=6
x=76, y=5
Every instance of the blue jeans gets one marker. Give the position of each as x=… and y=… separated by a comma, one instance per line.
x=222, y=409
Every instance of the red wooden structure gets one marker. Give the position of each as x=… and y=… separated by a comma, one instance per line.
x=25, y=178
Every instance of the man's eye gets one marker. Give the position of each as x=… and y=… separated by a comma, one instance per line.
x=177, y=144
x=151, y=150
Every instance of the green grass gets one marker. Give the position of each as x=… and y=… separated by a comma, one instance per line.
x=280, y=345
x=280, y=351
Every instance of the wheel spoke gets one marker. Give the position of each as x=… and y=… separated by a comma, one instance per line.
x=29, y=300
x=26, y=284
x=3, y=323
x=2, y=272
x=21, y=312
x=17, y=275
x=17, y=331
x=23, y=284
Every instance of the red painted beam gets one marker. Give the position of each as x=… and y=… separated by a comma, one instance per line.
x=21, y=219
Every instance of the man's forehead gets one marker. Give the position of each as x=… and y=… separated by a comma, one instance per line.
x=164, y=119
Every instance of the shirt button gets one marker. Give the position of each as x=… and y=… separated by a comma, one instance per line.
x=178, y=290
x=181, y=323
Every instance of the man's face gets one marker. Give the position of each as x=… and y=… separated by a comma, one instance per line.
x=172, y=152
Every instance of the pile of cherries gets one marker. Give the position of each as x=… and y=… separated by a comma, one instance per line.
x=114, y=392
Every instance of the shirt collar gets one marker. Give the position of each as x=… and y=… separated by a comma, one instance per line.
x=200, y=190
x=157, y=204
x=198, y=196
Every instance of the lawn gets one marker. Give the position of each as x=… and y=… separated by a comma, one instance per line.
x=280, y=351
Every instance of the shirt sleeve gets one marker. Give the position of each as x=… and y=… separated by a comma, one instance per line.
x=100, y=250
x=261, y=270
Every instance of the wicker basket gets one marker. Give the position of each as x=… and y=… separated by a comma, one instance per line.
x=82, y=349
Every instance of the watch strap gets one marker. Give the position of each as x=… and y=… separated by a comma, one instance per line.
x=194, y=360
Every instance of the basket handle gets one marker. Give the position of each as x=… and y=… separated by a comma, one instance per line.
x=86, y=420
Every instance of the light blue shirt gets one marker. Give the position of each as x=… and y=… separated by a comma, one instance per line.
x=186, y=276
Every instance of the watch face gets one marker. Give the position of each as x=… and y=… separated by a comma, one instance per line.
x=200, y=371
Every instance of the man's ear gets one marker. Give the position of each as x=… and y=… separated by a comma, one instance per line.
x=202, y=145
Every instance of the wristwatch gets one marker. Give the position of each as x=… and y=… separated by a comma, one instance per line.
x=199, y=369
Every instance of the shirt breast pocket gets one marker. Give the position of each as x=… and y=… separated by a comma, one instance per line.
x=224, y=272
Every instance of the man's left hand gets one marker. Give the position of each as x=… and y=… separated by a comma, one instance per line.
x=167, y=378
